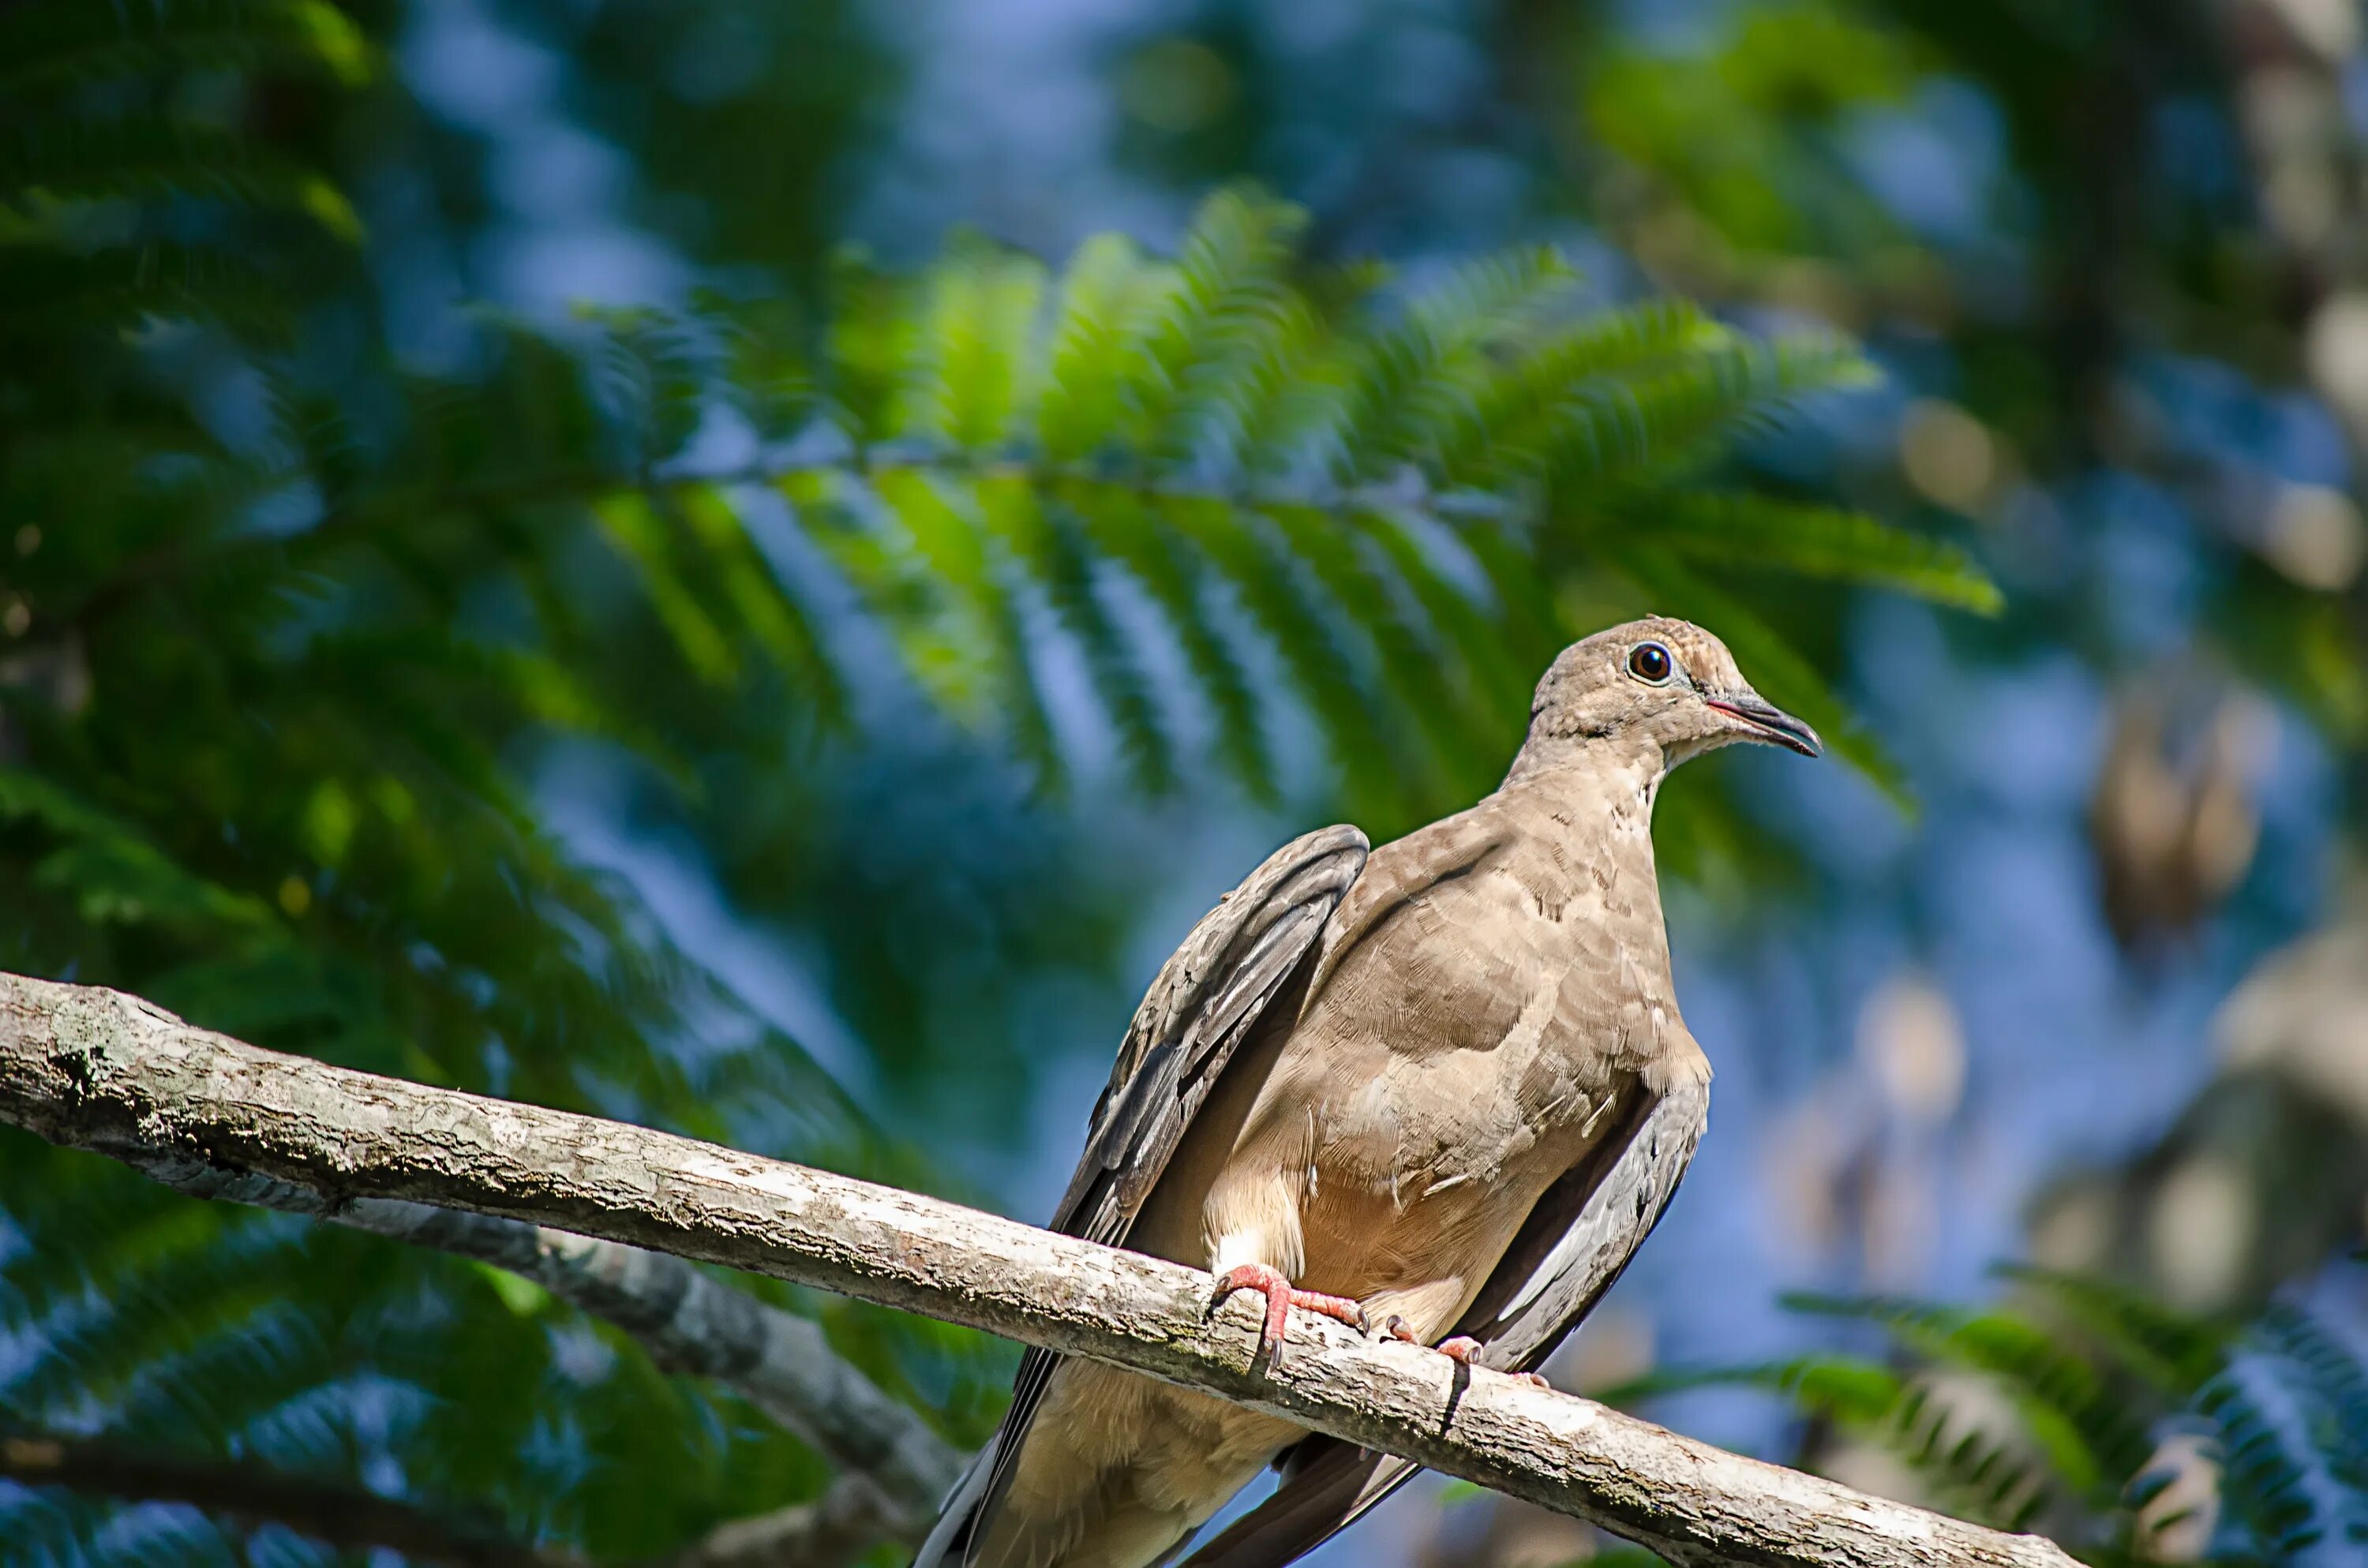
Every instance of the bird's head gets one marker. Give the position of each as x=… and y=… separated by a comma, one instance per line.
x=1661, y=689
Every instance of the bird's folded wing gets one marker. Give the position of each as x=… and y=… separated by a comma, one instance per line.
x=1201, y=1005
x=1574, y=1244
x=1205, y=1001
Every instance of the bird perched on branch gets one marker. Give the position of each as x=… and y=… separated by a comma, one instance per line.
x=1440, y=1090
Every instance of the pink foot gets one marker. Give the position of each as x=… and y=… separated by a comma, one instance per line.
x=1460, y=1350
x=1281, y=1297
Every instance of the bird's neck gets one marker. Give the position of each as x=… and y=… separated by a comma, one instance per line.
x=1607, y=768
x=1598, y=790
x=1586, y=818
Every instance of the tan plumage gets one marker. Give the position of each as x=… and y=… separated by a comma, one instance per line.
x=1485, y=1017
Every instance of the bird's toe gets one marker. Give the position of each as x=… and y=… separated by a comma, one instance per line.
x=1339, y=1307
x=1270, y=1283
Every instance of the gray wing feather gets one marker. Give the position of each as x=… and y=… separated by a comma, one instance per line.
x=1206, y=1000
x=1570, y=1250
x=1200, y=1009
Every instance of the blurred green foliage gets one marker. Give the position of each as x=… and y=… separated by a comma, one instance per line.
x=2127, y=1430
x=2047, y=214
x=2061, y=227
x=332, y=608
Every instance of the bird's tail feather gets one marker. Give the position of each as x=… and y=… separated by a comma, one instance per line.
x=1327, y=1486
x=950, y=1538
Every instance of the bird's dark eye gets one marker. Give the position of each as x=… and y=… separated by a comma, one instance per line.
x=1649, y=660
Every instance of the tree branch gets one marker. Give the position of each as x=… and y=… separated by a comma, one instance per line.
x=343, y=1516
x=849, y=1517
x=834, y=1528
x=97, y=1070
x=688, y=1321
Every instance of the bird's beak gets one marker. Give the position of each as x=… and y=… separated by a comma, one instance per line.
x=1771, y=723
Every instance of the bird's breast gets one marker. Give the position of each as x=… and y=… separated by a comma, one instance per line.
x=1468, y=1040
x=1423, y=1123
x=1424, y=1167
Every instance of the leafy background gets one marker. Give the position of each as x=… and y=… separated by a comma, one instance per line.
x=751, y=567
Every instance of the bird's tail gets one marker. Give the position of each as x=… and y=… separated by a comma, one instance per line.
x=958, y=1517
x=1327, y=1486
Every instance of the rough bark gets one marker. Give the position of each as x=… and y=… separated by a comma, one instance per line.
x=100, y=1071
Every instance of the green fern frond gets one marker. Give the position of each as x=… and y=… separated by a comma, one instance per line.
x=2173, y=1352
x=2079, y=1420
x=55, y=1528
x=1064, y=569
x=154, y=157
x=96, y=1352
x=2298, y=1447
x=651, y=377
x=1678, y=416
x=868, y=350
x=1103, y=296
x=1222, y=295
x=1500, y=683
x=1728, y=529
x=1507, y=427
x=641, y=533
x=2268, y=1476
x=1220, y=378
x=2338, y=1379
x=1144, y=393
x=1419, y=375
x=1402, y=656
x=115, y=873
x=765, y=607
x=1253, y=415
x=1979, y=1473
x=52, y=44
x=1175, y=581
x=955, y=547
x=2096, y=1372
x=766, y=372
x=976, y=340
x=51, y=292
x=884, y=554
x=1277, y=602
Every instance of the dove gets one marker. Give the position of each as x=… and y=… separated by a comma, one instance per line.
x=1439, y=1089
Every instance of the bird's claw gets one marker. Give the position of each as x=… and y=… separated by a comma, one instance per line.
x=1459, y=1348
x=1281, y=1297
